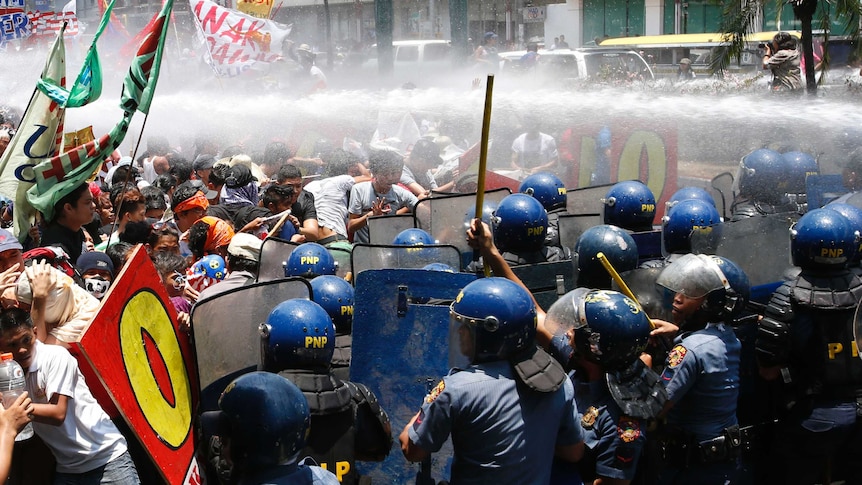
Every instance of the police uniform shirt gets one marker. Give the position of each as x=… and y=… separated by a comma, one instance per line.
x=617, y=440
x=501, y=432
x=290, y=475
x=702, y=380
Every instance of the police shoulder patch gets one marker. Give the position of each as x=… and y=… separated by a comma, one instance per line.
x=674, y=358
x=628, y=429
x=588, y=420
x=435, y=392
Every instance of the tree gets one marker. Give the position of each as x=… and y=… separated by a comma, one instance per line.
x=740, y=17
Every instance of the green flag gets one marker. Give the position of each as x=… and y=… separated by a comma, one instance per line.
x=140, y=83
x=88, y=85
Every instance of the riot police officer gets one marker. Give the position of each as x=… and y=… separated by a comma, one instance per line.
x=336, y=296
x=520, y=225
x=701, y=441
x=259, y=432
x=309, y=260
x=512, y=408
x=602, y=334
x=348, y=424
x=677, y=226
x=761, y=185
x=616, y=244
x=548, y=189
x=630, y=205
x=806, y=343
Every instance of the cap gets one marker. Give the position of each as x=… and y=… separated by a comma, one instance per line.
x=8, y=241
x=685, y=60
x=203, y=162
x=426, y=150
x=490, y=35
x=245, y=246
x=199, y=184
x=94, y=260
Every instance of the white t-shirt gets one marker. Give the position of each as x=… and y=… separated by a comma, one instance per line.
x=362, y=196
x=534, y=152
x=331, y=196
x=87, y=439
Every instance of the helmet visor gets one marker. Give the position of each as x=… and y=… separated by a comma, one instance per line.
x=462, y=341
x=693, y=275
x=567, y=313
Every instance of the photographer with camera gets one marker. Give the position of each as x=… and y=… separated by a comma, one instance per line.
x=782, y=58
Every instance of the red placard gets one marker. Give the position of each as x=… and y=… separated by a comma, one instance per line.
x=146, y=365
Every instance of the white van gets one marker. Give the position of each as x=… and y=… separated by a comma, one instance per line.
x=596, y=64
x=414, y=60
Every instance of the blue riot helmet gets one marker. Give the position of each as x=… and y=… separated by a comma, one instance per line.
x=854, y=215
x=413, y=237
x=298, y=334
x=617, y=245
x=760, y=173
x=309, y=260
x=608, y=328
x=687, y=193
x=823, y=238
x=211, y=265
x=547, y=188
x=682, y=219
x=630, y=205
x=336, y=296
x=723, y=286
x=439, y=267
x=267, y=420
x=488, y=208
x=500, y=317
x=798, y=166
x=520, y=223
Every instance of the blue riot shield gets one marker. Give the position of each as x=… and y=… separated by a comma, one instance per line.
x=274, y=254
x=573, y=225
x=547, y=281
x=401, y=350
x=649, y=245
x=371, y=256
x=823, y=189
x=383, y=229
x=225, y=331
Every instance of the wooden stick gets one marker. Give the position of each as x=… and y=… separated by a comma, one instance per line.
x=622, y=284
x=483, y=156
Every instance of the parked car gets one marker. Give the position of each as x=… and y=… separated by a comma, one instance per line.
x=596, y=64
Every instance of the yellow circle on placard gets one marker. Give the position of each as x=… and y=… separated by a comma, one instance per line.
x=144, y=312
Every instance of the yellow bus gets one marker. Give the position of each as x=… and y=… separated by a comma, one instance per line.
x=663, y=52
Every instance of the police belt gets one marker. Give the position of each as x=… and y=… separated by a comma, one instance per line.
x=682, y=451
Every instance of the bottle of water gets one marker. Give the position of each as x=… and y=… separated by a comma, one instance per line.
x=11, y=386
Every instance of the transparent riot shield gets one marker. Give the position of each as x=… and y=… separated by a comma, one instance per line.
x=274, y=253
x=400, y=351
x=642, y=284
x=383, y=229
x=225, y=331
x=721, y=189
x=759, y=245
x=573, y=225
x=370, y=256
x=587, y=200
x=446, y=216
x=547, y=281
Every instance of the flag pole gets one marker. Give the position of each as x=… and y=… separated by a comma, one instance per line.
x=128, y=175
